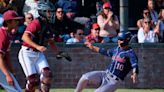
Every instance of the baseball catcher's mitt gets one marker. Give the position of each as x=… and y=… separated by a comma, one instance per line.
x=65, y=55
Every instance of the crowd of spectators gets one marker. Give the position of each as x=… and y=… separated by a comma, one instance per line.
x=71, y=25
x=151, y=26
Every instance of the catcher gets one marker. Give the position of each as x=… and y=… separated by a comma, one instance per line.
x=31, y=57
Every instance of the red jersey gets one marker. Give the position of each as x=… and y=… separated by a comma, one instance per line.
x=91, y=39
x=40, y=32
x=32, y=28
x=5, y=40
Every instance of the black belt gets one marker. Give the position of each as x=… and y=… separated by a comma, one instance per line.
x=32, y=49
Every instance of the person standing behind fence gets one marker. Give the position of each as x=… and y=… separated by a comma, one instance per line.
x=160, y=26
x=123, y=60
x=146, y=34
x=7, y=80
x=145, y=14
x=109, y=24
x=153, y=12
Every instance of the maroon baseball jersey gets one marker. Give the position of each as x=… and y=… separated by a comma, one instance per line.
x=5, y=39
x=32, y=28
x=39, y=31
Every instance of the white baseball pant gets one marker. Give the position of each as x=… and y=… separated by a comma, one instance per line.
x=6, y=86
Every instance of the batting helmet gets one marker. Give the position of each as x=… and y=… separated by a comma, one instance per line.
x=43, y=7
x=124, y=36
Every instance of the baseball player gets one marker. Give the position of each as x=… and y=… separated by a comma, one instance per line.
x=123, y=60
x=7, y=80
x=31, y=57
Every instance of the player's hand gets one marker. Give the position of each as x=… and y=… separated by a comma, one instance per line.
x=134, y=77
x=88, y=44
x=41, y=48
x=110, y=14
x=9, y=80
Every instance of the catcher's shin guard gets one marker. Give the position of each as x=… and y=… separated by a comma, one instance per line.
x=46, y=79
x=32, y=83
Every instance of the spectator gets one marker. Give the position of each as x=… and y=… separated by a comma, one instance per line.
x=146, y=14
x=94, y=37
x=160, y=26
x=159, y=5
x=145, y=34
x=99, y=5
x=69, y=7
x=153, y=13
x=28, y=18
x=78, y=37
x=63, y=26
x=109, y=24
x=31, y=6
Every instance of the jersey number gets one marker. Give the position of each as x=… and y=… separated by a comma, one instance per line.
x=120, y=66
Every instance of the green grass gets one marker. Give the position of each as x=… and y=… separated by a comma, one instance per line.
x=119, y=90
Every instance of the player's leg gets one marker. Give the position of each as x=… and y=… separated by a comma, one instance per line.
x=94, y=77
x=6, y=86
x=108, y=85
x=16, y=85
x=46, y=74
x=32, y=82
x=27, y=59
x=107, y=88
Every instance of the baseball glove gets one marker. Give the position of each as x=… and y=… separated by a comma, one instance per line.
x=65, y=55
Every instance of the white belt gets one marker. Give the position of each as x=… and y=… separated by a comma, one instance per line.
x=112, y=76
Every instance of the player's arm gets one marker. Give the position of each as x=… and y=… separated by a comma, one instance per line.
x=53, y=46
x=102, y=51
x=27, y=38
x=134, y=64
x=5, y=70
x=8, y=63
x=90, y=46
x=3, y=66
x=59, y=54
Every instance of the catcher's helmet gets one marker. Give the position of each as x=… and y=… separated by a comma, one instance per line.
x=43, y=7
x=124, y=36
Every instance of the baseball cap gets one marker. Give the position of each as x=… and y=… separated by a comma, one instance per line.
x=95, y=26
x=107, y=5
x=11, y=15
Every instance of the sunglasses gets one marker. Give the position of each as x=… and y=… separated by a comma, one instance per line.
x=29, y=17
x=146, y=12
x=121, y=39
x=147, y=22
x=97, y=29
x=107, y=8
x=80, y=34
x=59, y=11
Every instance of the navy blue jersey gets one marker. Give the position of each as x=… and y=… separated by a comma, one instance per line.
x=123, y=60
